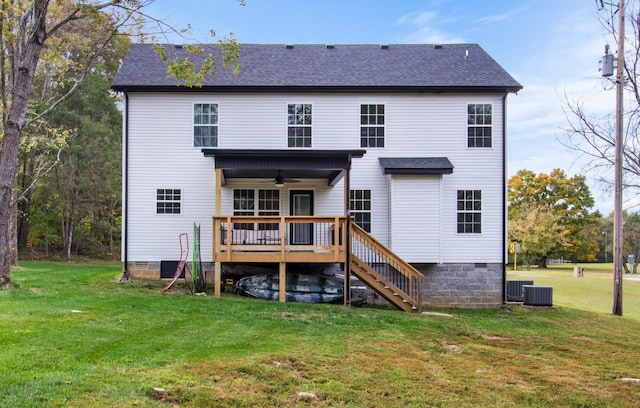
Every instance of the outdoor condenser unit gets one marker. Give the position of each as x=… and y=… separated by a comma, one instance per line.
x=538, y=295
x=515, y=292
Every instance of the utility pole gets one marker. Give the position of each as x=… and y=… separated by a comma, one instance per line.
x=618, y=257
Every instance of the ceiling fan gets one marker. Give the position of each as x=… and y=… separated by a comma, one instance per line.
x=280, y=180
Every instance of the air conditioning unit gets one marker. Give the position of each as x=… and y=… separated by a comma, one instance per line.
x=538, y=295
x=515, y=293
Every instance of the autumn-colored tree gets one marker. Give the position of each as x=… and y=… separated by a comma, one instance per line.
x=549, y=214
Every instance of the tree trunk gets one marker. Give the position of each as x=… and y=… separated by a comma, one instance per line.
x=26, y=63
x=542, y=262
x=67, y=233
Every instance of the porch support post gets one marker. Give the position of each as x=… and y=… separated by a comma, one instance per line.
x=347, y=241
x=283, y=282
x=217, y=268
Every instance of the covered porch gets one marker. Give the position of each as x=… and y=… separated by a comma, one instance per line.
x=299, y=237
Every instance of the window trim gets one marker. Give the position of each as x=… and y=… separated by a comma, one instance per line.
x=303, y=126
x=376, y=126
x=194, y=125
x=256, y=210
x=475, y=224
x=481, y=126
x=364, y=201
x=161, y=203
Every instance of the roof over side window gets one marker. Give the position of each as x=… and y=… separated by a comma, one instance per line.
x=313, y=67
x=416, y=165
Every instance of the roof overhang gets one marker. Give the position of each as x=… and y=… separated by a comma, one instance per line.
x=290, y=163
x=319, y=89
x=416, y=165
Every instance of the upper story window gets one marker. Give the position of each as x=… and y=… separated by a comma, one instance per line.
x=371, y=125
x=205, y=125
x=479, y=125
x=299, y=125
x=360, y=205
x=168, y=201
x=469, y=211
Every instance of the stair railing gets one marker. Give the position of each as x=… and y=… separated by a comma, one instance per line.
x=386, y=263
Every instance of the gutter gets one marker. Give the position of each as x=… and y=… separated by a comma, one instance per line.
x=125, y=193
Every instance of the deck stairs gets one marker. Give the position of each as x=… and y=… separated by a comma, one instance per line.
x=384, y=272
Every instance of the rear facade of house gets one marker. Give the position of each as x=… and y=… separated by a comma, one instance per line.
x=406, y=141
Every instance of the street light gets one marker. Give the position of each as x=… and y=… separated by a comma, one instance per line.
x=606, y=240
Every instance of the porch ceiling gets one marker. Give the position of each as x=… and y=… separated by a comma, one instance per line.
x=291, y=163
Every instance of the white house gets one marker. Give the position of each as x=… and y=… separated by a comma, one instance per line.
x=408, y=141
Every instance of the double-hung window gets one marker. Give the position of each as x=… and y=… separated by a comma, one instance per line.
x=479, y=125
x=268, y=204
x=360, y=205
x=205, y=125
x=299, y=125
x=245, y=203
x=371, y=125
x=168, y=201
x=469, y=211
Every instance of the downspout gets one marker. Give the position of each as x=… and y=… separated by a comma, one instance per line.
x=125, y=193
x=504, y=199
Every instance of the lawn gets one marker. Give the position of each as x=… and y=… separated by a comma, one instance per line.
x=593, y=292
x=71, y=336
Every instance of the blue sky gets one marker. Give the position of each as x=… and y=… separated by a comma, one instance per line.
x=551, y=47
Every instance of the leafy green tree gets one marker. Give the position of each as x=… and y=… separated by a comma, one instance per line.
x=550, y=214
x=28, y=43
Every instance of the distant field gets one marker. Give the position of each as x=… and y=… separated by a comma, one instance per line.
x=593, y=292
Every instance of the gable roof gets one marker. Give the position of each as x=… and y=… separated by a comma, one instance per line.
x=312, y=67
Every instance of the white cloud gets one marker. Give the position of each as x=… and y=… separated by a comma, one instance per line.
x=427, y=26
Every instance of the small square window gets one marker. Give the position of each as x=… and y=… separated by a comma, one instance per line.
x=168, y=201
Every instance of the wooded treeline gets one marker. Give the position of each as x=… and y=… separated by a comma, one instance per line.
x=68, y=187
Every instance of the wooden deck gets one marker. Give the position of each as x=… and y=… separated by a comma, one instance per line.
x=313, y=239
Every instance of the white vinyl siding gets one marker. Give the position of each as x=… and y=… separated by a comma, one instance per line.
x=162, y=155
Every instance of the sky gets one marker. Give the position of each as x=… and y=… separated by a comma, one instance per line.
x=551, y=47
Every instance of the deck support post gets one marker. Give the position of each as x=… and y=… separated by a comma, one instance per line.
x=283, y=282
x=217, y=278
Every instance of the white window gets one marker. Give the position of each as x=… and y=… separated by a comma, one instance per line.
x=479, y=125
x=360, y=206
x=299, y=125
x=168, y=201
x=244, y=203
x=205, y=125
x=371, y=125
x=469, y=211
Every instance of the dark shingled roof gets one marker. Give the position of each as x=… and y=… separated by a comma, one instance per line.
x=416, y=165
x=396, y=67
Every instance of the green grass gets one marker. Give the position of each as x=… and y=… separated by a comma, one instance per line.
x=71, y=336
x=593, y=292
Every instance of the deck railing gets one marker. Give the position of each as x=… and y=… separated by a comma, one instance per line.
x=279, y=239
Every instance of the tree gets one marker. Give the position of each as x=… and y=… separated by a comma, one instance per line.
x=27, y=30
x=593, y=136
x=549, y=215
